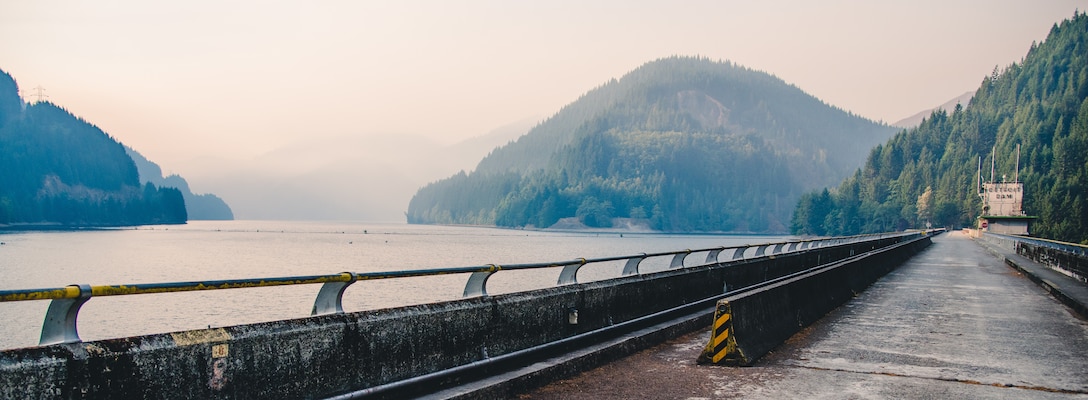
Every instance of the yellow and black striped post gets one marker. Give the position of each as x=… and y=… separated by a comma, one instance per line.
x=722, y=348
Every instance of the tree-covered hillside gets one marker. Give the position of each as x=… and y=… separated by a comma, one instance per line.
x=60, y=170
x=684, y=144
x=929, y=173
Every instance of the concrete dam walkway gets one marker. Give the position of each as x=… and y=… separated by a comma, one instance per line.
x=952, y=322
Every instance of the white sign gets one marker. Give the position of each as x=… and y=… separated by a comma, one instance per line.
x=1003, y=199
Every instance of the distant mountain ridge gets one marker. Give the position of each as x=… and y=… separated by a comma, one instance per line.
x=717, y=96
x=948, y=106
x=685, y=144
x=205, y=206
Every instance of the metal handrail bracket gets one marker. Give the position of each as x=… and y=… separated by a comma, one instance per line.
x=762, y=249
x=712, y=256
x=631, y=267
x=739, y=254
x=477, y=282
x=678, y=259
x=569, y=274
x=330, y=299
x=60, y=319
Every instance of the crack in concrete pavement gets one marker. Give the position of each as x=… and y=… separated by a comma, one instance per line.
x=955, y=380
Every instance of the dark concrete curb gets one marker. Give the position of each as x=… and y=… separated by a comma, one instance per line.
x=1065, y=289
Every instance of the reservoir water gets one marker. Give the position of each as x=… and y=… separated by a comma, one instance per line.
x=210, y=250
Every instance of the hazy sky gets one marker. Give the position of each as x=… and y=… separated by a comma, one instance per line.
x=185, y=81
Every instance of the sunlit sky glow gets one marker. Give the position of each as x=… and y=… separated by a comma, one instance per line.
x=191, y=80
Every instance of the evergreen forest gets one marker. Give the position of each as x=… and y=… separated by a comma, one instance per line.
x=679, y=144
x=59, y=170
x=930, y=173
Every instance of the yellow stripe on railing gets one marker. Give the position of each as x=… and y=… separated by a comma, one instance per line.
x=107, y=290
x=70, y=292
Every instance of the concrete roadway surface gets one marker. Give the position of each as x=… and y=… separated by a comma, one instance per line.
x=954, y=322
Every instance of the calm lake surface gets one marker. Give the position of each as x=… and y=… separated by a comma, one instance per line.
x=211, y=250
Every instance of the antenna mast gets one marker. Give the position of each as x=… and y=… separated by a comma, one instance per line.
x=978, y=181
x=1017, y=176
x=993, y=163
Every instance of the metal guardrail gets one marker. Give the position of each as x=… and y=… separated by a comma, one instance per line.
x=1067, y=258
x=60, y=318
x=1072, y=248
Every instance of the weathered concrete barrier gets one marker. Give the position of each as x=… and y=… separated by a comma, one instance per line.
x=1073, y=264
x=749, y=324
x=331, y=354
x=1070, y=259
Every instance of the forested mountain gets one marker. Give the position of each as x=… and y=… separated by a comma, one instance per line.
x=683, y=144
x=204, y=206
x=57, y=169
x=930, y=172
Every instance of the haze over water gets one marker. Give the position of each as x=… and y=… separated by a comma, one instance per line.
x=213, y=250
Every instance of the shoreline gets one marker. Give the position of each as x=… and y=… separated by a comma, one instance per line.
x=58, y=227
x=587, y=229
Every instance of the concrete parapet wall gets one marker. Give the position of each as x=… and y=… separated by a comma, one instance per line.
x=325, y=355
x=1073, y=264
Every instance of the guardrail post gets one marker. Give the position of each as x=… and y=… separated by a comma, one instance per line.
x=678, y=259
x=477, y=282
x=631, y=268
x=762, y=249
x=569, y=274
x=60, y=318
x=330, y=299
x=712, y=256
x=739, y=254
x=793, y=246
x=778, y=248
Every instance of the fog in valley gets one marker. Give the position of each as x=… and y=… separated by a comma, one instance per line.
x=350, y=177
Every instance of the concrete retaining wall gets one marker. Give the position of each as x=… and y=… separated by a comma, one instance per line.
x=1073, y=264
x=320, y=356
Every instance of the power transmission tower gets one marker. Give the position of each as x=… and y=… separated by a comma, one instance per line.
x=39, y=94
